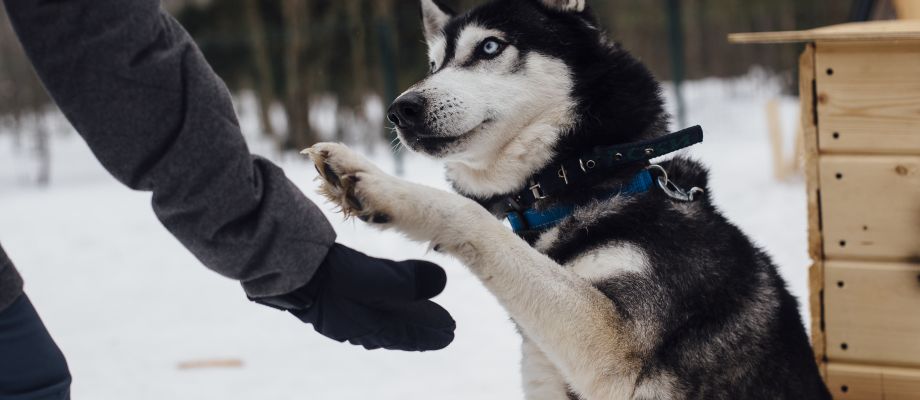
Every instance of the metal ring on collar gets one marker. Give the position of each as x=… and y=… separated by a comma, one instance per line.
x=671, y=189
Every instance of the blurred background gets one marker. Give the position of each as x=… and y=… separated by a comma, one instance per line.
x=140, y=318
x=344, y=60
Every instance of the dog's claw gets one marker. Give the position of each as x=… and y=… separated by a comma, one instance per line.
x=330, y=175
x=380, y=219
x=323, y=168
x=349, y=185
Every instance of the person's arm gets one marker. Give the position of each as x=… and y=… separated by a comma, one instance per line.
x=141, y=94
x=138, y=90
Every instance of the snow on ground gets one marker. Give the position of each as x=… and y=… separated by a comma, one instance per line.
x=127, y=303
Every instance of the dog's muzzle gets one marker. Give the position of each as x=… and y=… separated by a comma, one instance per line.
x=408, y=112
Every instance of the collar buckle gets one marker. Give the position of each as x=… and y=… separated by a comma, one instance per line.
x=537, y=191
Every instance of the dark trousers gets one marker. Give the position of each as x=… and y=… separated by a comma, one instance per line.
x=31, y=365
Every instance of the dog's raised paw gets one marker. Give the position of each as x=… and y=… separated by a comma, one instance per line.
x=340, y=171
x=325, y=171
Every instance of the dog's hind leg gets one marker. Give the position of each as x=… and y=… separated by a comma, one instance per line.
x=541, y=378
x=576, y=326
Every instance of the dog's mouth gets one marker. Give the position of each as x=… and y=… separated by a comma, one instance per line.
x=438, y=145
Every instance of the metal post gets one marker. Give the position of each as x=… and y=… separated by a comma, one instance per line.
x=676, y=39
x=861, y=10
x=388, y=64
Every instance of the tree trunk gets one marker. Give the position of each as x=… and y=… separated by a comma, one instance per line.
x=297, y=102
x=358, y=51
x=42, y=151
x=265, y=80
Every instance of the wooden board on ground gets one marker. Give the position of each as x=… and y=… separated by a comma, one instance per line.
x=874, y=30
x=870, y=207
x=211, y=363
x=863, y=382
x=871, y=312
x=868, y=97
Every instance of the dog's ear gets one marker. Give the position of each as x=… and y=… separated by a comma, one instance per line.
x=566, y=5
x=435, y=16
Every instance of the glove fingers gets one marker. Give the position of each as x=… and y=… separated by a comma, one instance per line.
x=430, y=279
x=420, y=326
x=354, y=274
x=341, y=320
x=405, y=281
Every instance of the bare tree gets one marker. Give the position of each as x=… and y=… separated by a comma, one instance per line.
x=265, y=77
x=358, y=38
x=296, y=15
x=23, y=96
x=42, y=150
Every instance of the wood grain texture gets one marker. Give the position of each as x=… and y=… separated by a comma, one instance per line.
x=854, y=31
x=815, y=247
x=870, y=207
x=869, y=97
x=854, y=382
x=900, y=383
x=907, y=9
x=872, y=312
x=865, y=382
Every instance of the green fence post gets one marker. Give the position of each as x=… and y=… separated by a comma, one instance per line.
x=676, y=39
x=388, y=65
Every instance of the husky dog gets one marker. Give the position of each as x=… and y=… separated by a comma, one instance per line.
x=642, y=295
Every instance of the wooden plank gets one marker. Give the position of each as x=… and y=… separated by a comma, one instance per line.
x=907, y=9
x=870, y=207
x=858, y=31
x=871, y=312
x=854, y=382
x=211, y=363
x=815, y=248
x=869, y=97
x=866, y=382
x=775, y=130
x=901, y=384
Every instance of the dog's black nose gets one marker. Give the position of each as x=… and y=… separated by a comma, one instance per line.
x=407, y=111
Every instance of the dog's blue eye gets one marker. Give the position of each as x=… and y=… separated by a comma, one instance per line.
x=491, y=47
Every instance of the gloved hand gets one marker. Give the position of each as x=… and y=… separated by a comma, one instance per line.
x=377, y=303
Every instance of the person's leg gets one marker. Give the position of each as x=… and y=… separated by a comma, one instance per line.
x=31, y=365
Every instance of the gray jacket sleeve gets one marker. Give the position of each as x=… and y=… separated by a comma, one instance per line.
x=138, y=90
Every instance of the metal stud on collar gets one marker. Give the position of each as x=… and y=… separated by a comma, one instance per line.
x=586, y=165
x=671, y=189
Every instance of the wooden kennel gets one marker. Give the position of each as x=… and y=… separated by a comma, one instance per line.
x=860, y=100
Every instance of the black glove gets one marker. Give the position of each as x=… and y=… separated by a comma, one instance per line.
x=374, y=303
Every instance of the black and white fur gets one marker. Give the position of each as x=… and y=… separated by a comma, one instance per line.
x=639, y=297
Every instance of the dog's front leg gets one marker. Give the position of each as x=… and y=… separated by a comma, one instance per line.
x=575, y=325
x=541, y=378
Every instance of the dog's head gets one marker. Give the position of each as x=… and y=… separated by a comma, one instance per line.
x=510, y=74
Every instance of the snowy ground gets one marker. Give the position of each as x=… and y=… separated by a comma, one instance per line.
x=127, y=303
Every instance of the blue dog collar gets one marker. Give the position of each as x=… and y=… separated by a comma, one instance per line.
x=534, y=220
